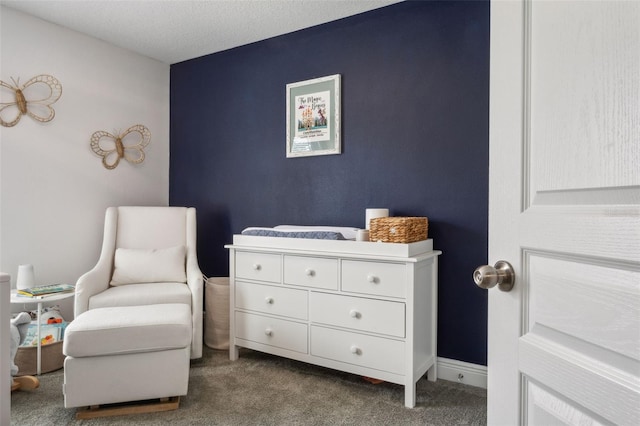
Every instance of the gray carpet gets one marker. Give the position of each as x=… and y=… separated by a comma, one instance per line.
x=261, y=389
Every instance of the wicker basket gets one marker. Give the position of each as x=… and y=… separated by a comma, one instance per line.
x=398, y=229
x=52, y=358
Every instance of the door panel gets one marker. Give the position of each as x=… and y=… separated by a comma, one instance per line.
x=548, y=409
x=599, y=305
x=583, y=94
x=565, y=211
x=579, y=375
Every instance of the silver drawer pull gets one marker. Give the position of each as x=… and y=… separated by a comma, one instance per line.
x=309, y=272
x=354, y=314
x=268, y=332
x=372, y=279
x=256, y=266
x=355, y=350
x=269, y=300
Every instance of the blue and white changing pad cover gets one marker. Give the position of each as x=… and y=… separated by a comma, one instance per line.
x=313, y=232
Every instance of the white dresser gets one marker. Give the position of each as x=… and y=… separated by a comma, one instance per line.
x=361, y=307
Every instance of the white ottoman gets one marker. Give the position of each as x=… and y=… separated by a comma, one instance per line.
x=128, y=353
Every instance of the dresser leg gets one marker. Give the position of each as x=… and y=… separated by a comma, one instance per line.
x=410, y=395
x=432, y=373
x=233, y=352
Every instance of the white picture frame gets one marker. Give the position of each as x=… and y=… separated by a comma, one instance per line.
x=313, y=117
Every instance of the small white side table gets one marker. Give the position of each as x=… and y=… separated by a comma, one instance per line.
x=20, y=300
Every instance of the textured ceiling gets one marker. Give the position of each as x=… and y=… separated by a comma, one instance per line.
x=176, y=30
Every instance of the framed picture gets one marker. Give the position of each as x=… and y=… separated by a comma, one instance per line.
x=313, y=117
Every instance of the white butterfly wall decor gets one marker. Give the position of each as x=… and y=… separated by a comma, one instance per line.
x=128, y=145
x=34, y=98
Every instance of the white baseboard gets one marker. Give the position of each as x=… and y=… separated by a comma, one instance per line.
x=462, y=372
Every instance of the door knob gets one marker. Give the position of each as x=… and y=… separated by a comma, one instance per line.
x=501, y=274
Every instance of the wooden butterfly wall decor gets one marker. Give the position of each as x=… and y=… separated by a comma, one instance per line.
x=128, y=145
x=34, y=98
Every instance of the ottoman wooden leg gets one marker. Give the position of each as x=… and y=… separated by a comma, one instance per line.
x=163, y=404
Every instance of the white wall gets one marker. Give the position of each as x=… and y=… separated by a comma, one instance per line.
x=53, y=188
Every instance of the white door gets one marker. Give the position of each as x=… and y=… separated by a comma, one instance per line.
x=564, y=210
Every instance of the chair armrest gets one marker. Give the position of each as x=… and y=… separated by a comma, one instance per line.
x=97, y=279
x=195, y=282
x=91, y=283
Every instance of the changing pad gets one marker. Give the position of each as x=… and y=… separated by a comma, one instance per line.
x=312, y=232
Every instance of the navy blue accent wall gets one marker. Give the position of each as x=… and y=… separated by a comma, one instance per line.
x=415, y=111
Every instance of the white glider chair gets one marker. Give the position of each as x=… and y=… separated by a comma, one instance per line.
x=138, y=312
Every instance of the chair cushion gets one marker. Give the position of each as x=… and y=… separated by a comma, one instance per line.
x=128, y=329
x=152, y=227
x=142, y=294
x=132, y=266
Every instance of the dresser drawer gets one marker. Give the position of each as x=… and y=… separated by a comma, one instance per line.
x=375, y=316
x=258, y=266
x=317, y=272
x=381, y=279
x=271, y=331
x=270, y=299
x=359, y=349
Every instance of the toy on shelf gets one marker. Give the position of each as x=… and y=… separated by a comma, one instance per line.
x=19, y=326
